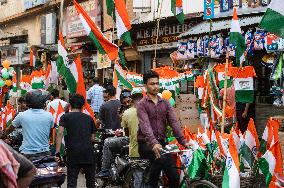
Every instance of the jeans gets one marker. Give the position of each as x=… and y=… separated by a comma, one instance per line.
x=165, y=163
x=73, y=171
x=111, y=144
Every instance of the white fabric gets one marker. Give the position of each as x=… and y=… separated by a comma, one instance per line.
x=55, y=103
x=119, y=25
x=277, y=5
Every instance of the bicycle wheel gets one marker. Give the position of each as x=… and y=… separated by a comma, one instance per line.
x=197, y=184
x=128, y=179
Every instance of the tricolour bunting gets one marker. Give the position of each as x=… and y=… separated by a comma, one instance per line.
x=273, y=19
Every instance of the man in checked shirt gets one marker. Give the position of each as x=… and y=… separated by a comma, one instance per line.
x=153, y=114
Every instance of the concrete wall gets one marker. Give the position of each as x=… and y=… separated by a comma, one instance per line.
x=31, y=24
x=11, y=8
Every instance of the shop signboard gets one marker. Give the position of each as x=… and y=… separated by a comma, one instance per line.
x=74, y=27
x=208, y=9
x=13, y=53
x=146, y=38
x=103, y=60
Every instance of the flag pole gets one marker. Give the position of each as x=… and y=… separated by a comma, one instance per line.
x=157, y=32
x=225, y=92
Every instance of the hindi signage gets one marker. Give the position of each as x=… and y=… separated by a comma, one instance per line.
x=73, y=22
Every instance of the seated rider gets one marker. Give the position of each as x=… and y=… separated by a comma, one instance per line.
x=36, y=124
x=119, y=141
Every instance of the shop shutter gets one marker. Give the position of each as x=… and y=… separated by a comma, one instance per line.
x=141, y=5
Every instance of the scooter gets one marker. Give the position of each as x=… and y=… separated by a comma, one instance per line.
x=49, y=173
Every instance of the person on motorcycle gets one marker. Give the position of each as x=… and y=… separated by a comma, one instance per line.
x=114, y=142
x=81, y=130
x=130, y=122
x=154, y=114
x=36, y=124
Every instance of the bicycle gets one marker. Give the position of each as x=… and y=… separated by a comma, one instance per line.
x=144, y=167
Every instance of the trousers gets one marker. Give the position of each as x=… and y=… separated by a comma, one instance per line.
x=73, y=171
x=165, y=163
x=111, y=144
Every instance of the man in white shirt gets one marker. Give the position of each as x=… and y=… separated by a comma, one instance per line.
x=95, y=96
x=55, y=101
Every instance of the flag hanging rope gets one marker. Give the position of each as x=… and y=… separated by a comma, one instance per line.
x=157, y=32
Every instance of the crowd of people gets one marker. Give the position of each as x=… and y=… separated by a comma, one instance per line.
x=138, y=121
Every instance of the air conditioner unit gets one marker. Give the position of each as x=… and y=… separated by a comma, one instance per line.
x=3, y=2
x=142, y=6
x=48, y=28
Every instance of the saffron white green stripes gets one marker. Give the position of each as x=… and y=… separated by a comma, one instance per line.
x=237, y=39
x=177, y=10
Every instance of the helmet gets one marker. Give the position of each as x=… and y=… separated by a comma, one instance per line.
x=36, y=98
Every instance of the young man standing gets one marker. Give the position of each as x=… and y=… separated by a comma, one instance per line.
x=153, y=114
x=55, y=100
x=95, y=96
x=81, y=131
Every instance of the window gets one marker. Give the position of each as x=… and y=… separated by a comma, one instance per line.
x=2, y=2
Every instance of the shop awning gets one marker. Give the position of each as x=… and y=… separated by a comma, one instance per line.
x=219, y=25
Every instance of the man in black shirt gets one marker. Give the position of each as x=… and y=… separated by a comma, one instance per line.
x=81, y=130
x=109, y=111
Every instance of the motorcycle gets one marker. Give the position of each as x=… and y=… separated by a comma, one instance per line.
x=118, y=169
x=49, y=173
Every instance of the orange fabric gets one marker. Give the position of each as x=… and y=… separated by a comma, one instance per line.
x=199, y=82
x=110, y=48
x=26, y=78
x=80, y=84
x=242, y=72
x=221, y=67
x=121, y=9
x=235, y=15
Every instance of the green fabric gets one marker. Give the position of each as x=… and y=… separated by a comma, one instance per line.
x=264, y=167
x=97, y=43
x=239, y=41
x=245, y=96
x=127, y=38
x=248, y=155
x=273, y=22
x=67, y=75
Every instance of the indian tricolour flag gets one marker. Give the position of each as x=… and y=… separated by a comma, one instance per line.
x=237, y=39
x=60, y=112
x=243, y=83
x=102, y=43
x=250, y=147
x=267, y=163
x=47, y=76
x=231, y=177
x=71, y=71
x=266, y=139
x=273, y=19
x=176, y=7
x=119, y=74
x=117, y=10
